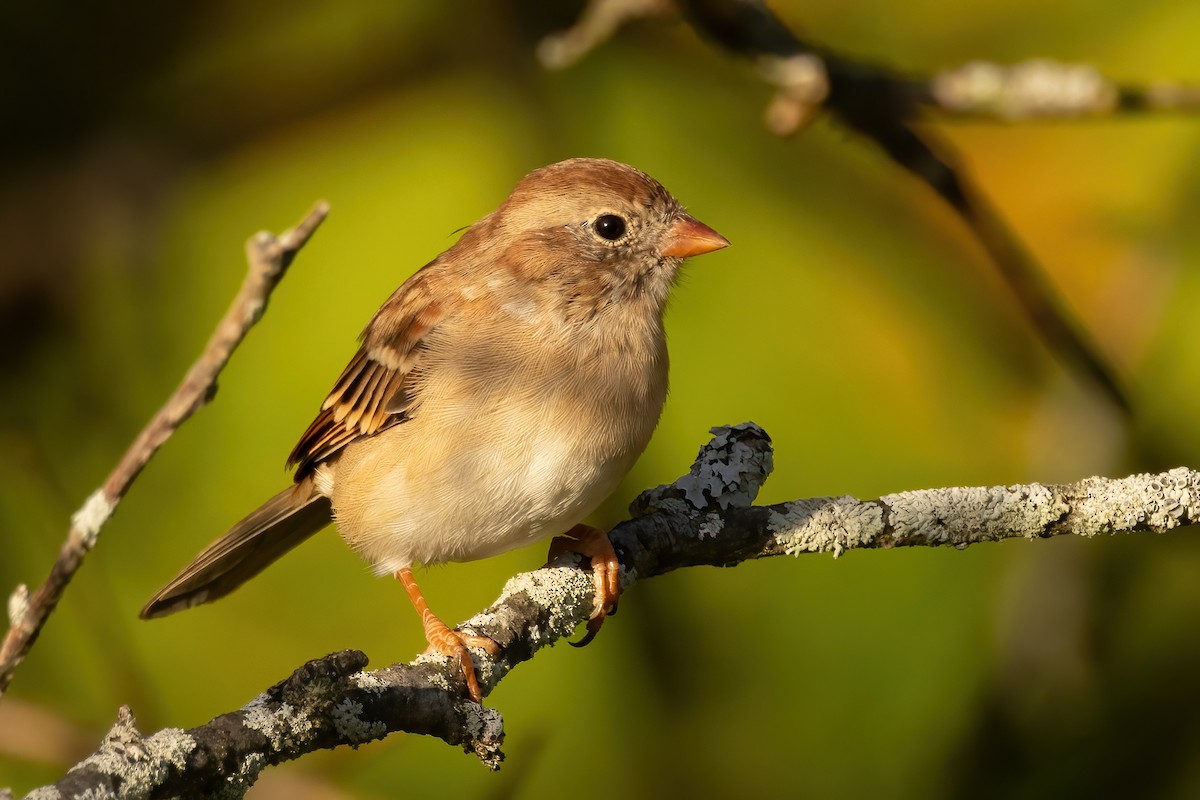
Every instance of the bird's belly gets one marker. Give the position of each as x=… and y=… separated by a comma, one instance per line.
x=447, y=488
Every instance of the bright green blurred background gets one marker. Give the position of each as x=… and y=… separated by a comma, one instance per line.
x=853, y=319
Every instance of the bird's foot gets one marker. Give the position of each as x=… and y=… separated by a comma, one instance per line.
x=453, y=644
x=606, y=571
x=446, y=641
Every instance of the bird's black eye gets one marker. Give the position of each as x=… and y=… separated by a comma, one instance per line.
x=610, y=227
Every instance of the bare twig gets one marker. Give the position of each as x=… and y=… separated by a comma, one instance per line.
x=1161, y=97
x=599, y=21
x=704, y=518
x=269, y=258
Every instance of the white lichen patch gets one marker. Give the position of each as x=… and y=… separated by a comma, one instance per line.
x=566, y=593
x=18, y=604
x=239, y=782
x=90, y=518
x=975, y=514
x=438, y=679
x=172, y=746
x=825, y=525
x=276, y=724
x=1157, y=502
x=712, y=525
x=263, y=721
x=487, y=669
x=348, y=722
x=370, y=682
x=142, y=764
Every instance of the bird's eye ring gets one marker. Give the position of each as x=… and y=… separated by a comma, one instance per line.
x=609, y=226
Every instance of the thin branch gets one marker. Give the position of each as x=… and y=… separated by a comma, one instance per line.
x=268, y=257
x=1037, y=88
x=882, y=105
x=598, y=22
x=705, y=517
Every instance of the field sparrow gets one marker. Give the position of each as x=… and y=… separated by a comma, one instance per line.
x=498, y=397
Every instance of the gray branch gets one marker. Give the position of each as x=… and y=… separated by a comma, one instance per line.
x=706, y=517
x=268, y=258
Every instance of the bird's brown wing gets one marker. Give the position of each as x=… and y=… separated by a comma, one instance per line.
x=373, y=391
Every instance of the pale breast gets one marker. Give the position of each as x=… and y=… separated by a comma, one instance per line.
x=518, y=436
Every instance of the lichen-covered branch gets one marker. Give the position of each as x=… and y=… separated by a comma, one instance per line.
x=706, y=517
x=599, y=21
x=325, y=703
x=269, y=258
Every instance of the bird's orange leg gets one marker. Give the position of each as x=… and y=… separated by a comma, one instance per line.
x=606, y=571
x=446, y=641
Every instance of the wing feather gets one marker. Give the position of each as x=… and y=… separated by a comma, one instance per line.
x=373, y=392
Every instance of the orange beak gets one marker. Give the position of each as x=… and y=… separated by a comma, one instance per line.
x=689, y=237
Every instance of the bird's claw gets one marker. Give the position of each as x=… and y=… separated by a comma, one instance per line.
x=606, y=572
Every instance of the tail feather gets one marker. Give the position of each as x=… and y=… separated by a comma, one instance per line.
x=250, y=546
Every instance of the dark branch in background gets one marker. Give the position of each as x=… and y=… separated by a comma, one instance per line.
x=883, y=105
x=705, y=517
x=269, y=258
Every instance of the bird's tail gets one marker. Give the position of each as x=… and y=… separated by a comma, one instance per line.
x=274, y=528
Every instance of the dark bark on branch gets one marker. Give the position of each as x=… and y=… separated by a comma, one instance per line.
x=323, y=704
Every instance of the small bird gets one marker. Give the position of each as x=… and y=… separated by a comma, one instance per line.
x=497, y=397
